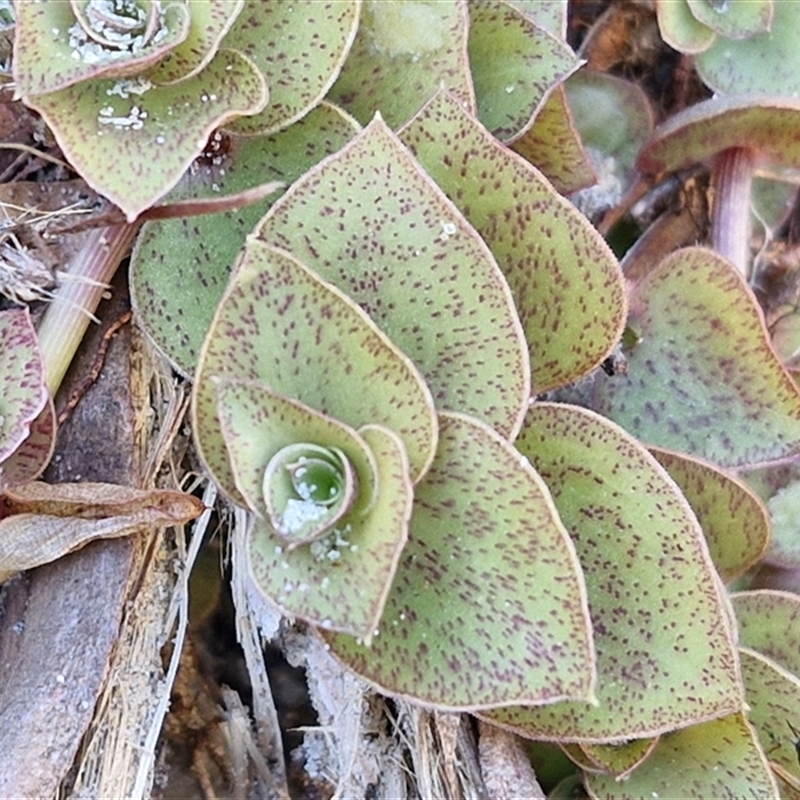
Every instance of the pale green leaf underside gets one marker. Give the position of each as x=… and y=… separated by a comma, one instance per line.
x=735, y=20
x=281, y=324
x=566, y=284
x=680, y=29
x=371, y=222
x=179, y=268
x=150, y=138
x=31, y=458
x=340, y=582
x=665, y=651
x=703, y=356
x=488, y=604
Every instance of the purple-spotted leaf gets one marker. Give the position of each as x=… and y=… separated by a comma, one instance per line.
x=769, y=622
x=734, y=20
x=554, y=146
x=773, y=695
x=24, y=393
x=665, y=651
x=31, y=458
x=40, y=523
x=720, y=758
x=488, y=604
x=733, y=519
x=515, y=65
x=566, y=283
x=619, y=760
x=281, y=324
x=179, y=268
x=784, y=548
x=372, y=222
x=548, y=14
x=297, y=469
x=299, y=47
x=209, y=23
x=53, y=49
x=341, y=581
x=151, y=134
x=703, y=356
x=402, y=54
x=680, y=29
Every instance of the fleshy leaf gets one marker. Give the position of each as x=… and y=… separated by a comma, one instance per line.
x=299, y=47
x=619, y=760
x=340, y=582
x=308, y=342
x=31, y=458
x=566, y=284
x=665, y=651
x=52, y=51
x=734, y=20
x=769, y=622
x=680, y=29
x=262, y=430
x=720, y=758
x=179, y=268
x=150, y=133
x=370, y=221
x=703, y=356
x=733, y=519
x=554, y=146
x=548, y=14
x=24, y=392
x=784, y=549
x=42, y=522
x=773, y=695
x=488, y=604
x=515, y=65
x=402, y=54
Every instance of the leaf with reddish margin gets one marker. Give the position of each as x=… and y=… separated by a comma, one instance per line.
x=31, y=458
x=151, y=137
x=566, y=283
x=42, y=522
x=680, y=29
x=402, y=54
x=720, y=758
x=488, y=605
x=666, y=655
x=24, y=390
x=733, y=519
x=703, y=378
x=515, y=65
x=299, y=47
x=370, y=220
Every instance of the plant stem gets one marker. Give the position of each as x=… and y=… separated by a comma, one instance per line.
x=730, y=216
x=76, y=299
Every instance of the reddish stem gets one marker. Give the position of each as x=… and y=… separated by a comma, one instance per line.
x=730, y=215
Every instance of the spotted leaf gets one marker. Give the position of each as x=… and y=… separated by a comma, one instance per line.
x=566, y=284
x=31, y=458
x=665, y=650
x=370, y=221
x=703, y=356
x=488, y=605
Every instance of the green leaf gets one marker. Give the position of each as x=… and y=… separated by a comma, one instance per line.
x=720, y=758
x=179, y=268
x=52, y=50
x=370, y=221
x=341, y=582
x=24, y=393
x=402, y=54
x=773, y=695
x=733, y=519
x=307, y=341
x=150, y=134
x=548, y=14
x=769, y=622
x=566, y=284
x=31, y=458
x=784, y=548
x=703, y=356
x=734, y=20
x=515, y=65
x=680, y=29
x=299, y=47
x=665, y=651
x=619, y=760
x=488, y=605
x=554, y=146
